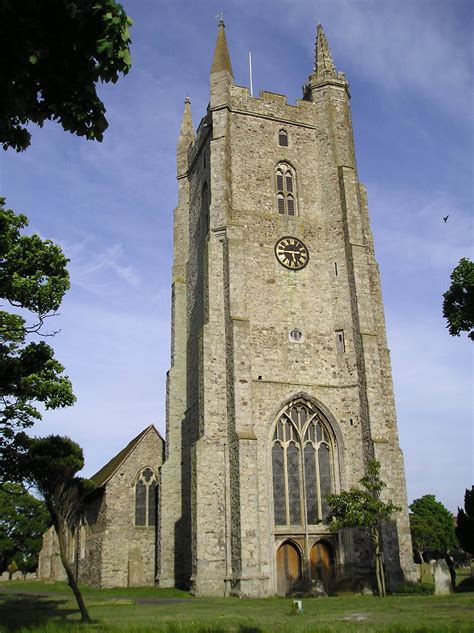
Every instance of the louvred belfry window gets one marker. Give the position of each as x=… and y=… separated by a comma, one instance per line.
x=146, y=494
x=303, y=466
x=283, y=138
x=286, y=189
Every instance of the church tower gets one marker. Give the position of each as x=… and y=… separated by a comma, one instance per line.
x=280, y=387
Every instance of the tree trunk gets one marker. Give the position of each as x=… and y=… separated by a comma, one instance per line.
x=61, y=532
x=379, y=570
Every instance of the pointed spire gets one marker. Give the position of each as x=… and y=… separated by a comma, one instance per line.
x=187, y=127
x=324, y=64
x=186, y=136
x=221, y=60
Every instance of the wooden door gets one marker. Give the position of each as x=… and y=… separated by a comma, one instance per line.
x=322, y=565
x=288, y=568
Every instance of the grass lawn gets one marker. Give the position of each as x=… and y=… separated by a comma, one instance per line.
x=50, y=609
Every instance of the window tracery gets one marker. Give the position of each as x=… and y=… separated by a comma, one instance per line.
x=146, y=495
x=303, y=466
x=286, y=189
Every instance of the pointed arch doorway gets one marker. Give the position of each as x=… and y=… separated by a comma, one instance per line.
x=288, y=567
x=322, y=565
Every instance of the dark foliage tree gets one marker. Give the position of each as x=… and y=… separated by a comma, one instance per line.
x=465, y=523
x=23, y=521
x=362, y=508
x=458, y=304
x=33, y=280
x=432, y=527
x=51, y=464
x=53, y=54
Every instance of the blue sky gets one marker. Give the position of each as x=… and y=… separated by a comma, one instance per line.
x=109, y=205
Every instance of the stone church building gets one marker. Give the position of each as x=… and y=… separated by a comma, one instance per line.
x=115, y=542
x=280, y=387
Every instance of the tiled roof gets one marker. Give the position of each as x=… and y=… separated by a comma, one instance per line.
x=105, y=473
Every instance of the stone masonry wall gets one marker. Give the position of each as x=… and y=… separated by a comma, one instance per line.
x=240, y=363
x=128, y=551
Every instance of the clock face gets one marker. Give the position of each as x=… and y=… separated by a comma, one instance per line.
x=291, y=253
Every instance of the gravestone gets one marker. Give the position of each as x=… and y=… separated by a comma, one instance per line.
x=31, y=575
x=5, y=576
x=426, y=574
x=472, y=567
x=135, y=568
x=18, y=575
x=317, y=589
x=442, y=578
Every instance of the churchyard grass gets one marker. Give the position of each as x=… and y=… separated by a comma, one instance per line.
x=49, y=608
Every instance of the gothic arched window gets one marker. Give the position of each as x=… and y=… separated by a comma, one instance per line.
x=286, y=189
x=303, y=465
x=146, y=494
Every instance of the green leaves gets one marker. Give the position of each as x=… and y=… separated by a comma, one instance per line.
x=51, y=464
x=33, y=272
x=23, y=521
x=33, y=278
x=53, y=54
x=431, y=525
x=465, y=523
x=362, y=508
x=458, y=304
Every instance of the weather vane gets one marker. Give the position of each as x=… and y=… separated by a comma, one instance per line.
x=220, y=17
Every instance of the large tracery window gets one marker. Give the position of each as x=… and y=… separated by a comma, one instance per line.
x=146, y=494
x=286, y=189
x=303, y=466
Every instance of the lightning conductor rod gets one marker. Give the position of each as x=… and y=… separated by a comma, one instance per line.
x=250, y=73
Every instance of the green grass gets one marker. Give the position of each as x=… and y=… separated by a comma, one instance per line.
x=22, y=586
x=51, y=610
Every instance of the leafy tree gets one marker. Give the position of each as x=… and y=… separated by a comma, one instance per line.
x=53, y=54
x=458, y=304
x=52, y=463
x=363, y=509
x=465, y=523
x=432, y=527
x=23, y=520
x=33, y=280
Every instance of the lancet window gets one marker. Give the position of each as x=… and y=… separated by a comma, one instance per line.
x=146, y=495
x=303, y=466
x=286, y=189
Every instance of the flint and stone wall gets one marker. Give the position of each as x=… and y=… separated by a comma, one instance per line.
x=233, y=314
x=107, y=549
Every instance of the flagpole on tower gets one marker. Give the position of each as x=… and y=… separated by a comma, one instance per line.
x=250, y=73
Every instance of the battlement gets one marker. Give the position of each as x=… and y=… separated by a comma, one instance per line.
x=272, y=105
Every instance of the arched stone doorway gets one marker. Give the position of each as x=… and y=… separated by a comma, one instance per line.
x=322, y=565
x=288, y=561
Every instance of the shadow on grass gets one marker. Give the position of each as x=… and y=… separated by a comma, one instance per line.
x=22, y=610
x=465, y=585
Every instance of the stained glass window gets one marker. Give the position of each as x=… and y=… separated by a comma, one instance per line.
x=146, y=495
x=303, y=466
